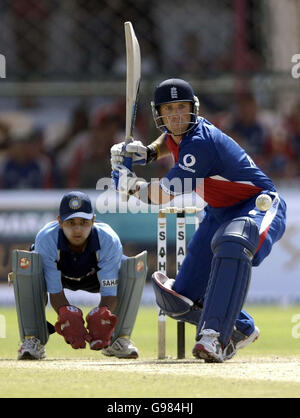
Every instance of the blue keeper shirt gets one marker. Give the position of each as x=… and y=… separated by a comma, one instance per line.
x=51, y=244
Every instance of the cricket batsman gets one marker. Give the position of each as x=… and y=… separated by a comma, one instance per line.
x=235, y=234
x=75, y=252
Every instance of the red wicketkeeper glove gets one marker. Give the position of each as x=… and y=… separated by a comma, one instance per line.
x=101, y=324
x=70, y=325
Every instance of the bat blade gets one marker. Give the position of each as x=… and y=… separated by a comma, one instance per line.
x=133, y=78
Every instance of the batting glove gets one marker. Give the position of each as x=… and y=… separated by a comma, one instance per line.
x=125, y=180
x=135, y=150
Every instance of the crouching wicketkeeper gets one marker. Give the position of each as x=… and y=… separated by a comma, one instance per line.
x=77, y=253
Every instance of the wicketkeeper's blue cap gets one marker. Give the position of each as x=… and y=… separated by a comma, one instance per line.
x=75, y=205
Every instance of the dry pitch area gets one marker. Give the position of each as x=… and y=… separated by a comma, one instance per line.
x=272, y=369
x=240, y=377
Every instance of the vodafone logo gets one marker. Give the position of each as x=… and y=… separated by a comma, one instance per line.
x=24, y=263
x=189, y=160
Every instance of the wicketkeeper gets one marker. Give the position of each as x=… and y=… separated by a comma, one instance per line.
x=77, y=253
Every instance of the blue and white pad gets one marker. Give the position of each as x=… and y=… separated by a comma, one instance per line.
x=234, y=245
x=172, y=303
x=30, y=294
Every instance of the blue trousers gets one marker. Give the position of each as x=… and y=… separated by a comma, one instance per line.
x=192, y=278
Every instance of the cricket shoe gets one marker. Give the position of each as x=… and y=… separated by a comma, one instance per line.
x=208, y=346
x=31, y=349
x=239, y=340
x=121, y=348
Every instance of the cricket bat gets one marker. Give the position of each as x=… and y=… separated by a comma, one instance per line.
x=133, y=79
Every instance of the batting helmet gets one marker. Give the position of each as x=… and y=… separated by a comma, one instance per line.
x=174, y=90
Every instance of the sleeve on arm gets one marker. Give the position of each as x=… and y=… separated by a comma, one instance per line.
x=110, y=261
x=48, y=252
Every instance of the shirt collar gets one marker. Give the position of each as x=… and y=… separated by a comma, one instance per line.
x=93, y=243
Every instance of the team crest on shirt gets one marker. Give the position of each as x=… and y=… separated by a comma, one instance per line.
x=75, y=203
x=189, y=161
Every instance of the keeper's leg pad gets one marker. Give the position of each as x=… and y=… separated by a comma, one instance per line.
x=172, y=303
x=234, y=245
x=30, y=294
x=132, y=277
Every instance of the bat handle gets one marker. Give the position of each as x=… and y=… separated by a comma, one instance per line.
x=128, y=162
x=127, y=158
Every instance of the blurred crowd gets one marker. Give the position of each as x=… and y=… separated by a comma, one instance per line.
x=46, y=39
x=79, y=155
x=271, y=140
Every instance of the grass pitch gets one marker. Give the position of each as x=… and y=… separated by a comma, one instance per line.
x=268, y=368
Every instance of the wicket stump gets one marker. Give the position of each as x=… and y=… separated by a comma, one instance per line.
x=162, y=266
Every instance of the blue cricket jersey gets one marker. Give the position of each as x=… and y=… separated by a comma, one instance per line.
x=101, y=259
x=215, y=166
